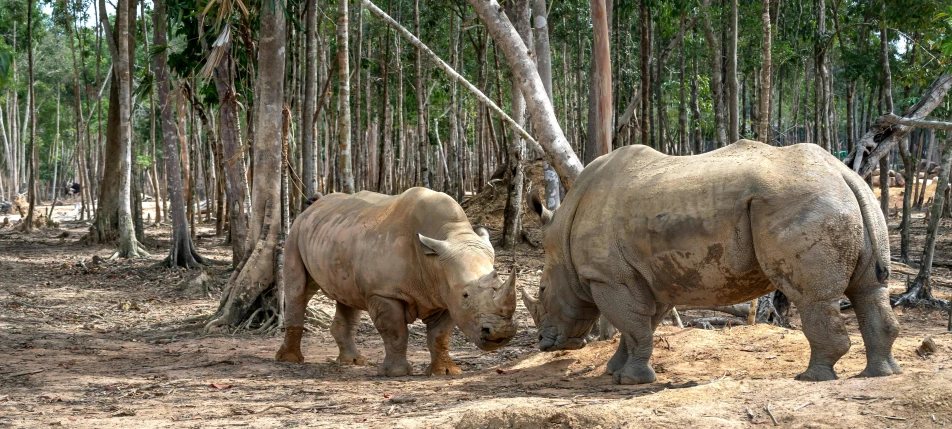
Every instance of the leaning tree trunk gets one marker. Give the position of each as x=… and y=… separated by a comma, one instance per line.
x=920, y=291
x=182, y=252
x=251, y=287
x=542, y=114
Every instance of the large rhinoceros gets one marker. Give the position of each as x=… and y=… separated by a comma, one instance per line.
x=401, y=258
x=641, y=232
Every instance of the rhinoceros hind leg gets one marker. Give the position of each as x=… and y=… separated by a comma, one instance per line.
x=828, y=338
x=632, y=312
x=879, y=327
x=344, y=327
x=619, y=359
x=438, y=329
x=389, y=318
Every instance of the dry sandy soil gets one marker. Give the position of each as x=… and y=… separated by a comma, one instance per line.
x=120, y=344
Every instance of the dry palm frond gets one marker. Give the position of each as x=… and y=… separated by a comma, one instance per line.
x=219, y=50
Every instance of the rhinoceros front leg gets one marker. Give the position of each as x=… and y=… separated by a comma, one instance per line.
x=344, y=327
x=390, y=319
x=634, y=316
x=438, y=329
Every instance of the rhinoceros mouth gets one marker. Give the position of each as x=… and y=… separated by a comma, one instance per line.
x=569, y=344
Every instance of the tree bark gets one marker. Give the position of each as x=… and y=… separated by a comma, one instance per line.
x=343, y=114
x=309, y=150
x=423, y=152
x=27, y=223
x=252, y=283
x=601, y=51
x=763, y=120
x=518, y=13
x=733, y=127
x=717, y=86
x=645, y=73
x=544, y=65
x=907, y=160
x=233, y=151
x=182, y=251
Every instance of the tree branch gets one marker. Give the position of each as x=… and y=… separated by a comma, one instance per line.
x=917, y=123
x=452, y=73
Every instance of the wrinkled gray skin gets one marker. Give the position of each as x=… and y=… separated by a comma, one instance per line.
x=401, y=258
x=641, y=232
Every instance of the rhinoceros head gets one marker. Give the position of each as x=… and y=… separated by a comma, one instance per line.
x=479, y=301
x=563, y=320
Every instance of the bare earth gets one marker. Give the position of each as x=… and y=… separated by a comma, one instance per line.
x=121, y=345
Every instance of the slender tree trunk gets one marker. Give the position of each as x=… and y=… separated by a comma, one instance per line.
x=343, y=114
x=518, y=13
x=645, y=73
x=454, y=177
x=424, y=144
x=544, y=65
x=234, y=157
x=252, y=283
x=182, y=251
x=732, y=93
x=907, y=160
x=31, y=142
x=717, y=86
x=309, y=153
x=763, y=119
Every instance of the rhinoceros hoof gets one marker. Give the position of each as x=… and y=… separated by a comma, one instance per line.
x=817, y=374
x=631, y=375
x=395, y=370
x=443, y=369
x=352, y=360
x=881, y=370
x=285, y=355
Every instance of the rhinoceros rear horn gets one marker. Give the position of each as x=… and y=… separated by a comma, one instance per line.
x=532, y=305
x=432, y=246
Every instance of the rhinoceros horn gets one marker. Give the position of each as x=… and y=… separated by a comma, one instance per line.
x=532, y=305
x=506, y=295
x=432, y=246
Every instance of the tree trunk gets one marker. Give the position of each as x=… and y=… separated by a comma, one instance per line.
x=27, y=223
x=544, y=65
x=920, y=291
x=732, y=93
x=717, y=86
x=454, y=181
x=763, y=120
x=309, y=152
x=234, y=156
x=121, y=46
x=423, y=162
x=182, y=251
x=343, y=114
x=518, y=13
x=645, y=73
x=252, y=284
x=907, y=160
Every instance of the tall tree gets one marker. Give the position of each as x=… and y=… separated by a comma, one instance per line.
x=733, y=110
x=182, y=251
x=544, y=63
x=763, y=119
x=601, y=52
x=343, y=115
x=256, y=274
x=518, y=13
x=31, y=105
x=121, y=45
x=309, y=152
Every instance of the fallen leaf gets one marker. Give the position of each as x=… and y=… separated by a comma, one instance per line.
x=361, y=420
x=112, y=388
x=221, y=386
x=72, y=419
x=387, y=395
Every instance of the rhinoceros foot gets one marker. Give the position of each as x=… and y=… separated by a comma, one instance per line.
x=634, y=374
x=443, y=368
x=881, y=370
x=287, y=355
x=816, y=373
x=351, y=359
x=395, y=369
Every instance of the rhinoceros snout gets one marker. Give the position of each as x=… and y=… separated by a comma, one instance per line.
x=493, y=336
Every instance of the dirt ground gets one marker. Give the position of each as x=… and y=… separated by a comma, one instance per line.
x=120, y=344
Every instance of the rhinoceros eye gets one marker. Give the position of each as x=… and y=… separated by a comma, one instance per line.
x=465, y=295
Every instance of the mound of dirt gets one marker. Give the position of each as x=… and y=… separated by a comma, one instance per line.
x=487, y=208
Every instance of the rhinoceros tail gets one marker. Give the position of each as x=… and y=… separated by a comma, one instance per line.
x=313, y=199
x=877, y=255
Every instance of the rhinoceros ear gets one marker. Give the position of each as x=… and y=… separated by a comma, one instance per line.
x=538, y=206
x=483, y=233
x=432, y=246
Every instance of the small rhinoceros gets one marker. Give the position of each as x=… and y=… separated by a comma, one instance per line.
x=401, y=258
x=641, y=231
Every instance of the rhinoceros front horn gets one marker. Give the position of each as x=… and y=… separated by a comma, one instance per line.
x=506, y=295
x=532, y=305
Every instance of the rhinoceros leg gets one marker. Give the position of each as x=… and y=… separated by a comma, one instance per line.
x=879, y=327
x=829, y=341
x=298, y=290
x=389, y=318
x=620, y=358
x=632, y=311
x=438, y=329
x=344, y=327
